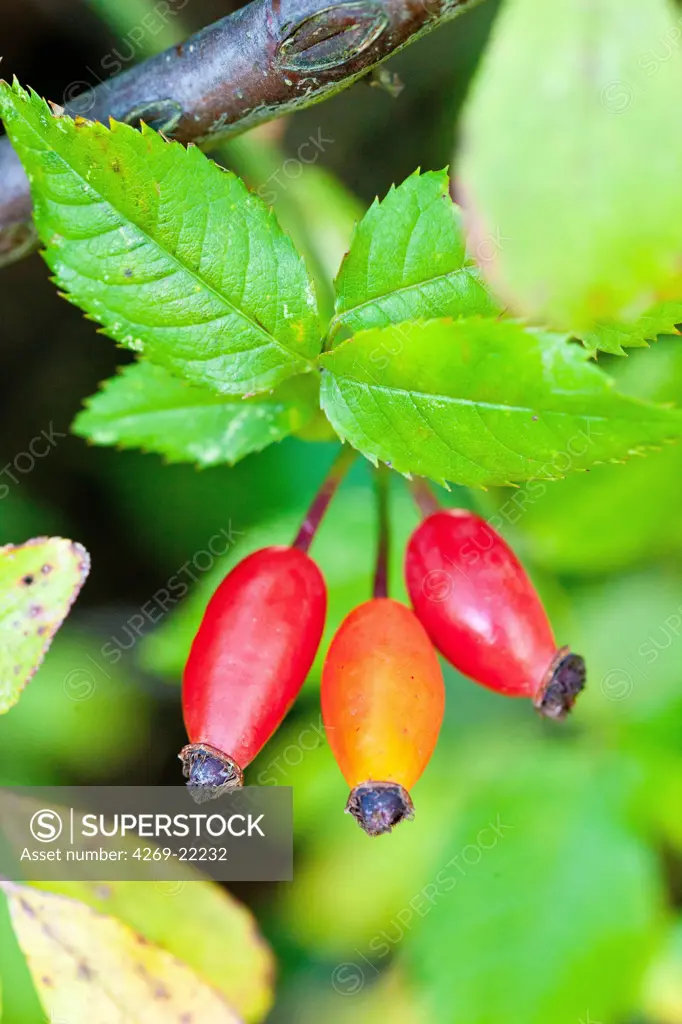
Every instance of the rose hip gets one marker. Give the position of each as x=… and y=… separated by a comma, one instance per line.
x=382, y=704
x=480, y=609
x=249, y=660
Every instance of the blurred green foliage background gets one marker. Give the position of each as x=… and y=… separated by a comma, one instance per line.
x=541, y=880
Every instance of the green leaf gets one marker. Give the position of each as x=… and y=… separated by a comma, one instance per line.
x=171, y=254
x=408, y=261
x=480, y=402
x=571, y=158
x=544, y=904
x=39, y=581
x=613, y=336
x=146, y=407
x=206, y=911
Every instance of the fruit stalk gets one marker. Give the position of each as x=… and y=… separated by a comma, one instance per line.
x=323, y=498
x=382, y=483
x=425, y=500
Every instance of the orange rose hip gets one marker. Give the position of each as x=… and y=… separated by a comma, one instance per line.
x=383, y=700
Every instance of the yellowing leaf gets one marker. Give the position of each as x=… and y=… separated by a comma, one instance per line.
x=39, y=581
x=89, y=967
x=206, y=910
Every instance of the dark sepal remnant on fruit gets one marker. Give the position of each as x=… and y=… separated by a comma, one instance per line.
x=209, y=772
x=564, y=681
x=379, y=806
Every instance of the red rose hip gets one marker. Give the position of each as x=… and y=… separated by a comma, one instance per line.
x=481, y=611
x=251, y=655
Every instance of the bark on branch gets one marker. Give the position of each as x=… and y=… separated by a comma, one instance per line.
x=266, y=60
